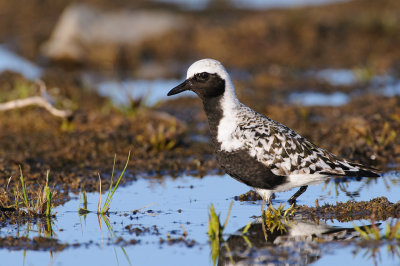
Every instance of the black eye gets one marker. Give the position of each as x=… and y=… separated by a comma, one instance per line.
x=203, y=76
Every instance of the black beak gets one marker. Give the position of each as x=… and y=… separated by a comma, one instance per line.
x=184, y=86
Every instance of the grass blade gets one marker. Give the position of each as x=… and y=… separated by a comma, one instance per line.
x=246, y=229
x=84, y=199
x=112, y=178
x=99, y=203
x=21, y=177
x=228, y=214
x=109, y=197
x=48, y=199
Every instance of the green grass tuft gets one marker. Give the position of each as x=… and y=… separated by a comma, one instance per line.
x=276, y=219
x=215, y=230
x=40, y=203
x=113, y=188
x=25, y=198
x=103, y=209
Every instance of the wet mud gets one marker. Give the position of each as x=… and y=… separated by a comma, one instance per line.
x=379, y=209
x=36, y=243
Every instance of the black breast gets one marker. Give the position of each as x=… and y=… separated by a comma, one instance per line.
x=238, y=164
x=244, y=168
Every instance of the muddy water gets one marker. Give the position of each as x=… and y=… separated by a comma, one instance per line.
x=175, y=206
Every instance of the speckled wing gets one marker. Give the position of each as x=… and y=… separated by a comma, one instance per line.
x=287, y=153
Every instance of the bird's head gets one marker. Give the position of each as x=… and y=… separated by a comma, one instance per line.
x=207, y=78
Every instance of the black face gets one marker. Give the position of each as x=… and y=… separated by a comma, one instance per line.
x=204, y=84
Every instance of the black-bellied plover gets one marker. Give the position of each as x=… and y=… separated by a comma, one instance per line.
x=255, y=149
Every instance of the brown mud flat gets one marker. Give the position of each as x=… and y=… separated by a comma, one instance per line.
x=51, y=244
x=19, y=216
x=178, y=240
x=36, y=243
x=379, y=209
x=251, y=195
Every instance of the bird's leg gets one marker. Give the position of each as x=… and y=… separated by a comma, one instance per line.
x=263, y=217
x=265, y=200
x=263, y=206
x=293, y=198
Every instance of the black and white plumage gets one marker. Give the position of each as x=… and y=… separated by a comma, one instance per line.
x=255, y=149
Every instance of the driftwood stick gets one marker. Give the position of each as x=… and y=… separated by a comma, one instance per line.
x=44, y=101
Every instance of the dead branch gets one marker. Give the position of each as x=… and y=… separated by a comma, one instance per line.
x=44, y=101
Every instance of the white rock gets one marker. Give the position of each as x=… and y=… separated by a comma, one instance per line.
x=82, y=27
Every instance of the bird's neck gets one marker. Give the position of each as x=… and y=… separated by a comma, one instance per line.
x=214, y=113
x=217, y=109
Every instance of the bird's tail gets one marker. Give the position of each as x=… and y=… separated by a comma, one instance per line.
x=360, y=170
x=351, y=169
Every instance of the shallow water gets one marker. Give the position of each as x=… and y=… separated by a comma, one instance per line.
x=13, y=62
x=385, y=85
x=150, y=91
x=318, y=99
x=336, y=77
x=185, y=201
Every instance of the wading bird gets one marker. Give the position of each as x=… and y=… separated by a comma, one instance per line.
x=255, y=149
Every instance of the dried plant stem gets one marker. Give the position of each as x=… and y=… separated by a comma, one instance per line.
x=99, y=203
x=263, y=219
x=43, y=101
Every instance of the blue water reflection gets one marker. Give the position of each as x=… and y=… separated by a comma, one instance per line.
x=12, y=62
x=176, y=202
